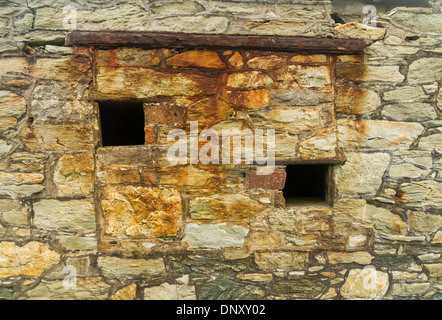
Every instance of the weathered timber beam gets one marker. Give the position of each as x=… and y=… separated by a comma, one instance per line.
x=213, y=41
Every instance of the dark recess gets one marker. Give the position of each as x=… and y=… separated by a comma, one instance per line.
x=337, y=18
x=306, y=182
x=122, y=123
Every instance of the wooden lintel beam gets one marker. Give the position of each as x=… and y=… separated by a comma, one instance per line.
x=178, y=40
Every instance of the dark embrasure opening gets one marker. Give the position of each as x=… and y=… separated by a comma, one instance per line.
x=122, y=123
x=306, y=182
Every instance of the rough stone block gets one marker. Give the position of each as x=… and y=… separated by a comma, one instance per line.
x=60, y=101
x=74, y=175
x=225, y=289
x=266, y=62
x=413, y=111
x=425, y=70
x=301, y=287
x=31, y=259
x=358, y=30
x=407, y=289
x=419, y=21
x=281, y=260
x=362, y=173
x=116, y=267
x=126, y=293
x=274, y=181
x=117, y=174
x=213, y=24
x=164, y=114
x=253, y=99
x=197, y=59
x=185, y=7
x=209, y=110
x=309, y=59
x=170, y=292
x=384, y=221
x=66, y=137
x=21, y=184
x=360, y=73
x=426, y=194
x=133, y=57
x=28, y=161
x=121, y=17
x=405, y=94
x=320, y=145
x=289, y=119
x=71, y=216
x=356, y=100
x=249, y=80
x=147, y=83
x=407, y=170
x=11, y=107
x=377, y=134
x=218, y=235
x=189, y=176
x=365, y=284
x=297, y=97
x=228, y=206
x=138, y=211
x=424, y=222
x=86, y=289
x=434, y=270
x=75, y=243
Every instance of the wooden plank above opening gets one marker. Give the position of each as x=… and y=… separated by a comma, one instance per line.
x=178, y=40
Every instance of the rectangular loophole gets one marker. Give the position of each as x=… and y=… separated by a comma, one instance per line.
x=122, y=123
x=306, y=184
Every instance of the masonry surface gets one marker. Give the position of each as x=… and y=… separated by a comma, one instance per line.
x=136, y=227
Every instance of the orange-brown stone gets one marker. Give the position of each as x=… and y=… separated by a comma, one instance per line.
x=249, y=79
x=309, y=59
x=137, y=211
x=266, y=62
x=74, y=175
x=117, y=174
x=164, y=114
x=356, y=100
x=252, y=99
x=236, y=60
x=66, y=137
x=209, y=110
x=197, y=59
x=149, y=135
x=31, y=259
x=128, y=57
x=274, y=181
x=131, y=82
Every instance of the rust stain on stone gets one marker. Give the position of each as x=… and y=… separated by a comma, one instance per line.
x=274, y=181
x=350, y=99
x=351, y=72
x=197, y=59
x=77, y=67
x=112, y=59
x=165, y=114
x=141, y=211
x=401, y=138
x=149, y=135
x=399, y=195
x=361, y=126
x=253, y=99
x=209, y=110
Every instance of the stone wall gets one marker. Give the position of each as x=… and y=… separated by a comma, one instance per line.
x=134, y=227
